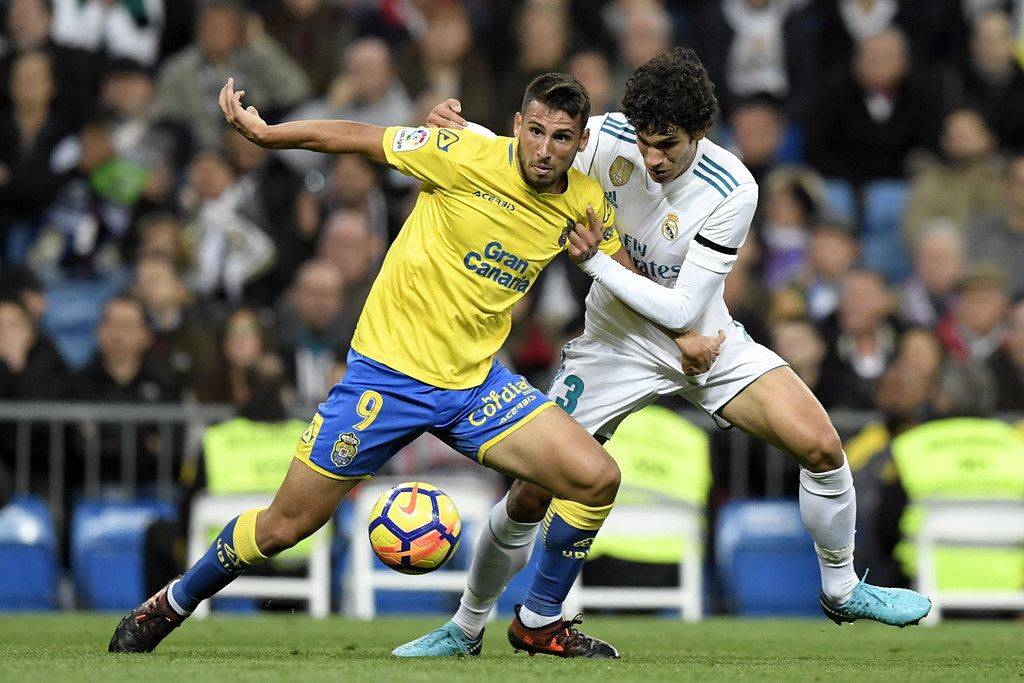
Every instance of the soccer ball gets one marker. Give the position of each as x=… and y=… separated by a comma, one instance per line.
x=414, y=528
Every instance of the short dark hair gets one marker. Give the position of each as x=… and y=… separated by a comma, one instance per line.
x=560, y=92
x=672, y=90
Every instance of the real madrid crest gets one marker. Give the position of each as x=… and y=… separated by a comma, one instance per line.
x=620, y=170
x=670, y=226
x=345, y=449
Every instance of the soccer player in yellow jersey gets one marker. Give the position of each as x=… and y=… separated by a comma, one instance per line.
x=492, y=212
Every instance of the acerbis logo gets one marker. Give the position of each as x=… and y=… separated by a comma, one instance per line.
x=495, y=199
x=495, y=402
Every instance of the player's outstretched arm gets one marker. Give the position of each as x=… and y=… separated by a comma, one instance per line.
x=332, y=137
x=676, y=308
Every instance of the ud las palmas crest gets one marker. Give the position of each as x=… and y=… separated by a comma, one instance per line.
x=670, y=226
x=345, y=449
x=620, y=170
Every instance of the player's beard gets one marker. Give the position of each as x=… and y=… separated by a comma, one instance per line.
x=535, y=184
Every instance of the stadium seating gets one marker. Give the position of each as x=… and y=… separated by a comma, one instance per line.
x=385, y=601
x=653, y=521
x=882, y=245
x=766, y=559
x=971, y=523
x=366, y=576
x=841, y=200
x=107, y=550
x=74, y=309
x=211, y=512
x=28, y=556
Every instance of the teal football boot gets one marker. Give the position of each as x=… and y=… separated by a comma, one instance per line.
x=447, y=641
x=893, y=606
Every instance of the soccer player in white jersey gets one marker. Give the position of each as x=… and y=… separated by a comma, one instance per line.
x=684, y=208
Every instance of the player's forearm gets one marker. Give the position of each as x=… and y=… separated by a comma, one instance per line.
x=675, y=308
x=622, y=256
x=331, y=137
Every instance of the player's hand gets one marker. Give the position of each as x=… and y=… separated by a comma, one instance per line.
x=699, y=352
x=246, y=120
x=584, y=240
x=446, y=115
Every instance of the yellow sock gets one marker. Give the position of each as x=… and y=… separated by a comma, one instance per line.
x=244, y=538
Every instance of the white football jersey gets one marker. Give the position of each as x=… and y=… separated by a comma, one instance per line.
x=703, y=215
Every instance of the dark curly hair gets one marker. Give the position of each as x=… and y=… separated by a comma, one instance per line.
x=670, y=91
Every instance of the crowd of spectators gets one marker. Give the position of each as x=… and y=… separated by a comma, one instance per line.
x=116, y=167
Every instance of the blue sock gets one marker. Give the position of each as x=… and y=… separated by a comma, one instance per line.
x=232, y=552
x=565, y=549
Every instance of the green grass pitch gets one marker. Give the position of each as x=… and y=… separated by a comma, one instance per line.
x=72, y=647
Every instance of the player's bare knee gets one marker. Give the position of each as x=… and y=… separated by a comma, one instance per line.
x=603, y=485
x=527, y=502
x=824, y=450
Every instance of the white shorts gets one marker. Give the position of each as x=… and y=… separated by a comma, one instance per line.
x=600, y=385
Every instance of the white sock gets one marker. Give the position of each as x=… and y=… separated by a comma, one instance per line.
x=828, y=506
x=172, y=602
x=531, y=619
x=501, y=551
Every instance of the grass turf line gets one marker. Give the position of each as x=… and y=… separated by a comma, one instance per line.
x=72, y=647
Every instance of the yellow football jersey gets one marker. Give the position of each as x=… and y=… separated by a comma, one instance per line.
x=441, y=306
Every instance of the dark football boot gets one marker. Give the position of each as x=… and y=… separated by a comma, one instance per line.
x=559, y=638
x=142, y=629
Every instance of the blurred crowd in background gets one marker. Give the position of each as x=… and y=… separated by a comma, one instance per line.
x=150, y=254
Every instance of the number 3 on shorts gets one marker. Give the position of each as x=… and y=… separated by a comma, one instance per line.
x=575, y=386
x=368, y=408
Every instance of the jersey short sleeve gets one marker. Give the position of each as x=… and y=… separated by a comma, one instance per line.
x=717, y=242
x=428, y=154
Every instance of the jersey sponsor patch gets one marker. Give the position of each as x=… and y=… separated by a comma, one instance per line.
x=445, y=139
x=409, y=139
x=620, y=171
